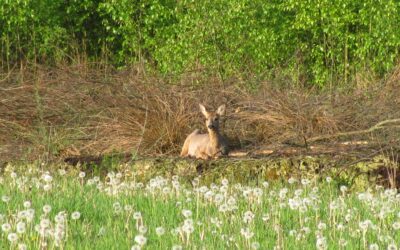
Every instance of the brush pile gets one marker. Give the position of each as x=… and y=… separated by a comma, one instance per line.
x=80, y=110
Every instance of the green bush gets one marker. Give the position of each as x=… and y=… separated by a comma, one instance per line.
x=322, y=41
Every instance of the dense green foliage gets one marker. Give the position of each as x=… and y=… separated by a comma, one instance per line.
x=322, y=40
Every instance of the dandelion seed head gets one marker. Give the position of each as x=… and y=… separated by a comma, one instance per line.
x=364, y=225
x=140, y=240
x=137, y=215
x=203, y=189
x=62, y=172
x=231, y=201
x=47, y=177
x=292, y=180
x=128, y=208
x=117, y=207
x=102, y=231
x=160, y=231
x=46, y=209
x=30, y=213
x=396, y=225
x=12, y=237
x=247, y=233
x=321, y=243
x=187, y=228
x=218, y=198
x=5, y=198
x=27, y=204
x=196, y=182
x=294, y=204
x=305, y=182
x=321, y=226
x=6, y=227
x=75, y=215
x=373, y=246
x=59, y=218
x=265, y=217
x=187, y=213
x=166, y=190
x=340, y=227
x=255, y=245
x=142, y=229
x=283, y=192
x=305, y=230
x=342, y=242
x=248, y=217
x=47, y=187
x=22, y=246
x=258, y=192
x=223, y=208
x=44, y=223
x=298, y=192
x=21, y=227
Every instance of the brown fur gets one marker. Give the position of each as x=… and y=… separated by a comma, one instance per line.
x=210, y=145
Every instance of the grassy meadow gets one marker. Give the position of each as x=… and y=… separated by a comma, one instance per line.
x=70, y=209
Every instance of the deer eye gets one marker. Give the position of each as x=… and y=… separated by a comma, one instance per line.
x=216, y=119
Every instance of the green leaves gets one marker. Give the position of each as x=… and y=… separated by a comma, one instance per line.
x=330, y=41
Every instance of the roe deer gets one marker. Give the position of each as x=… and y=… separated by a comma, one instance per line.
x=206, y=146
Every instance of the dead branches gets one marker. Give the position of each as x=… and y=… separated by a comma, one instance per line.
x=379, y=125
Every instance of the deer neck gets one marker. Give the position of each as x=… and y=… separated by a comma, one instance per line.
x=214, y=138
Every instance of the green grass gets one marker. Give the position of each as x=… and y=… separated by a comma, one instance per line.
x=307, y=216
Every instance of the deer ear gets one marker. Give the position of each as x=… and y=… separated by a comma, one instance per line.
x=203, y=110
x=221, y=109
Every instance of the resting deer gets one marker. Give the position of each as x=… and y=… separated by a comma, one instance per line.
x=206, y=146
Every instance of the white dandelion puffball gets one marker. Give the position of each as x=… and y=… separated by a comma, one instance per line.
x=27, y=204
x=187, y=213
x=46, y=209
x=160, y=231
x=140, y=239
x=373, y=246
x=6, y=227
x=75, y=215
x=396, y=225
x=22, y=246
x=62, y=172
x=21, y=227
x=5, y=198
x=12, y=237
x=137, y=215
x=142, y=229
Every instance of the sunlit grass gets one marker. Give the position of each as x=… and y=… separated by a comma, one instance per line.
x=70, y=210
